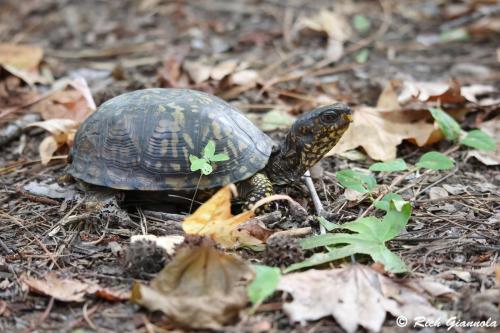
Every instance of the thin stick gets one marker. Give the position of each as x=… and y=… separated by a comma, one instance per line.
x=194, y=195
x=318, y=206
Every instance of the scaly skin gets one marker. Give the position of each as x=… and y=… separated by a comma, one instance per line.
x=310, y=138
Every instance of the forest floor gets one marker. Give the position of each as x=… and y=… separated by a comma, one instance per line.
x=274, y=60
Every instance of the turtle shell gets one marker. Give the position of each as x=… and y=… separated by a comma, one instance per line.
x=142, y=140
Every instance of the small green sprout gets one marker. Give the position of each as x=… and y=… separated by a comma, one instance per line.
x=205, y=163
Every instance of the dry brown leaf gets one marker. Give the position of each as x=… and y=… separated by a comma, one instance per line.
x=24, y=57
x=22, y=61
x=197, y=71
x=471, y=92
x=47, y=148
x=201, y=287
x=66, y=290
x=489, y=158
x=379, y=133
x=223, y=69
x=71, y=290
x=355, y=296
x=73, y=101
x=244, y=78
x=63, y=133
x=214, y=219
x=334, y=25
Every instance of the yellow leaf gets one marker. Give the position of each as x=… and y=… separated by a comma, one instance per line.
x=47, y=149
x=214, y=219
x=379, y=133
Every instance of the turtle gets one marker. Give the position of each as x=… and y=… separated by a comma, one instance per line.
x=142, y=140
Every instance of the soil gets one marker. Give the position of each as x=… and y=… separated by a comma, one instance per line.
x=121, y=46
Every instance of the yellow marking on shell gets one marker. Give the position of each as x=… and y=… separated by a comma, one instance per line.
x=175, y=166
x=188, y=140
x=161, y=108
x=230, y=146
x=94, y=171
x=174, y=141
x=163, y=146
x=185, y=153
x=158, y=165
x=242, y=145
x=178, y=112
x=243, y=169
x=217, y=131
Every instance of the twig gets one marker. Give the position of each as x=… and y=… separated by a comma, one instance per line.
x=293, y=232
x=318, y=206
x=42, y=318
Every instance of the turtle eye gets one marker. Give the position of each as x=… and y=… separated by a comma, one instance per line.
x=329, y=117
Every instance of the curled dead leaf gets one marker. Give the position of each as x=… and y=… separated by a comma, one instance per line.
x=379, y=133
x=63, y=133
x=214, y=219
x=334, y=25
x=70, y=100
x=355, y=296
x=65, y=290
x=24, y=57
x=198, y=72
x=201, y=287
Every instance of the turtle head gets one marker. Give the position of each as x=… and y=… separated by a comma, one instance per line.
x=311, y=136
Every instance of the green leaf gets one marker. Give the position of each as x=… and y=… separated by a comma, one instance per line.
x=265, y=283
x=361, y=23
x=435, y=161
x=454, y=35
x=368, y=237
x=219, y=157
x=383, y=204
x=196, y=163
x=448, y=125
x=389, y=166
x=209, y=150
x=329, y=226
x=362, y=56
x=206, y=169
x=357, y=181
x=274, y=120
x=479, y=140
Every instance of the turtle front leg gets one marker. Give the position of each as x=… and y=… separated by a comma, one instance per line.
x=253, y=189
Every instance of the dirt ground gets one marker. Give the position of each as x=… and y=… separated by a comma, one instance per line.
x=120, y=46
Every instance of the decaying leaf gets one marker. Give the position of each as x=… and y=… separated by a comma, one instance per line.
x=490, y=158
x=355, y=296
x=24, y=57
x=66, y=290
x=214, y=219
x=386, y=131
x=396, y=94
x=63, y=133
x=72, y=100
x=71, y=290
x=334, y=25
x=22, y=61
x=197, y=71
x=201, y=287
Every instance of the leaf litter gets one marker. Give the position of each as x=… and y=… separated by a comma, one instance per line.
x=357, y=295
x=275, y=65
